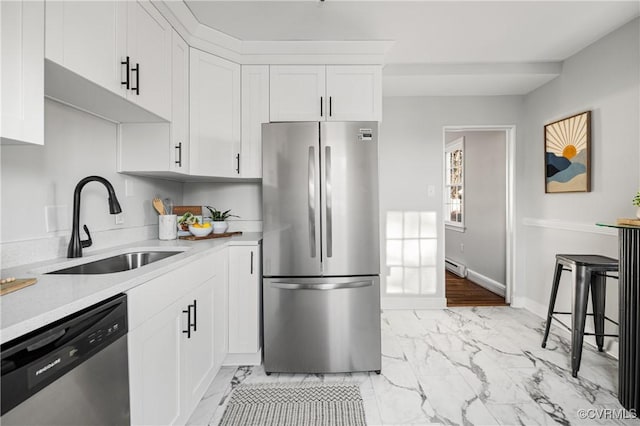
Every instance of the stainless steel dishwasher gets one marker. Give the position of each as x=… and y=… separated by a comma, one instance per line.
x=72, y=372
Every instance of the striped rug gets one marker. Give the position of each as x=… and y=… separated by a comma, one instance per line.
x=304, y=404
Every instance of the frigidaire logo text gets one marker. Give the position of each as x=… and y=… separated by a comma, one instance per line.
x=48, y=366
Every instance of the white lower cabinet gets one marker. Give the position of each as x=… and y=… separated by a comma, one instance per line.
x=221, y=309
x=155, y=369
x=175, y=343
x=244, y=305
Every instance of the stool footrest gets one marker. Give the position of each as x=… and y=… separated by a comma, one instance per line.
x=604, y=274
x=585, y=333
x=588, y=314
x=604, y=335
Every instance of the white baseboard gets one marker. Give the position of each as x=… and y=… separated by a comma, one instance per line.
x=538, y=309
x=408, y=302
x=486, y=282
x=234, y=359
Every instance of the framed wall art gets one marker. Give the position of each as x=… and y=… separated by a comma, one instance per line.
x=567, y=152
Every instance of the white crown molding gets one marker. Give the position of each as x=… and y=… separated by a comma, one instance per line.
x=218, y=43
x=535, y=68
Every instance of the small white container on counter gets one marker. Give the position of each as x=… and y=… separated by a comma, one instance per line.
x=167, y=229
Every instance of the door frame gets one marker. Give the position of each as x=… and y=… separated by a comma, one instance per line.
x=510, y=141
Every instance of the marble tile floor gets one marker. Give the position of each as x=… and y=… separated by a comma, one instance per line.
x=463, y=366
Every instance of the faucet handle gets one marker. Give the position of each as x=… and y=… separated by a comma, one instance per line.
x=86, y=243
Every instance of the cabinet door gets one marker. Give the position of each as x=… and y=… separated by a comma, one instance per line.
x=197, y=346
x=155, y=369
x=89, y=38
x=354, y=92
x=214, y=107
x=255, y=111
x=179, y=105
x=244, y=299
x=149, y=49
x=22, y=64
x=297, y=93
x=221, y=308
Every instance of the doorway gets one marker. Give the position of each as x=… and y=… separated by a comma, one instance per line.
x=478, y=214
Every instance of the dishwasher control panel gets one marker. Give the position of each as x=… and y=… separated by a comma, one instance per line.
x=32, y=362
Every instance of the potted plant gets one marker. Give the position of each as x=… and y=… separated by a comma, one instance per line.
x=636, y=202
x=219, y=219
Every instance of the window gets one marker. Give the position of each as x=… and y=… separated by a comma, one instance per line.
x=454, y=184
x=412, y=243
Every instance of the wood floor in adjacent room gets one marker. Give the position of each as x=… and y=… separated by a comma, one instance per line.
x=462, y=292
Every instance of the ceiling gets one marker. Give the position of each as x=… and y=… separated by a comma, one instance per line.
x=441, y=34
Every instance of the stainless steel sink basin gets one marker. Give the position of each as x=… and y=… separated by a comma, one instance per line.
x=119, y=263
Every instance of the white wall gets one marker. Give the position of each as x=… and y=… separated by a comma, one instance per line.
x=485, y=184
x=244, y=199
x=603, y=78
x=33, y=177
x=411, y=158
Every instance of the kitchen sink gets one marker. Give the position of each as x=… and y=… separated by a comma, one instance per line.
x=119, y=263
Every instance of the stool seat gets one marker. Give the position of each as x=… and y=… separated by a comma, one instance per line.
x=589, y=275
x=594, y=261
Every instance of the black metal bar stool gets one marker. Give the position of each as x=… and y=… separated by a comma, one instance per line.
x=589, y=272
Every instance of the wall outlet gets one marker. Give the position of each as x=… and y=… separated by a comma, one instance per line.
x=56, y=218
x=119, y=219
x=431, y=191
x=462, y=247
x=128, y=188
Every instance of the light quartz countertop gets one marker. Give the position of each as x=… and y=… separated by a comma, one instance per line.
x=55, y=296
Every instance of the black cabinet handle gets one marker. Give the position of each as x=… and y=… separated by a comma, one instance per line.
x=126, y=82
x=329, y=106
x=251, y=262
x=179, y=160
x=321, y=106
x=238, y=163
x=137, y=71
x=195, y=321
x=188, y=330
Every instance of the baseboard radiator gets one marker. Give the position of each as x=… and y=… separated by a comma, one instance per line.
x=455, y=267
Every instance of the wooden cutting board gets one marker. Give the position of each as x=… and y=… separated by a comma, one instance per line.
x=631, y=222
x=16, y=285
x=210, y=236
x=180, y=210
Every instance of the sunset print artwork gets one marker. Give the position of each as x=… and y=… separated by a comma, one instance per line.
x=567, y=144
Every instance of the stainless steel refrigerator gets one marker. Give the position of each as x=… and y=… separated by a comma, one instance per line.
x=321, y=261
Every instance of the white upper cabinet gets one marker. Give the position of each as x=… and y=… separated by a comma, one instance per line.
x=161, y=149
x=179, y=105
x=331, y=93
x=149, y=51
x=354, y=92
x=255, y=111
x=22, y=64
x=297, y=93
x=214, y=104
x=89, y=39
x=124, y=47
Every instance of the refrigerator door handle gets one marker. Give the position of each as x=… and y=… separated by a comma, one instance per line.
x=328, y=202
x=312, y=201
x=327, y=286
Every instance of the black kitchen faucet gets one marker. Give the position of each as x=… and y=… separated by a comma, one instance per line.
x=76, y=244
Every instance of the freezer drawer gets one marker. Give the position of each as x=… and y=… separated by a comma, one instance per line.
x=321, y=325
